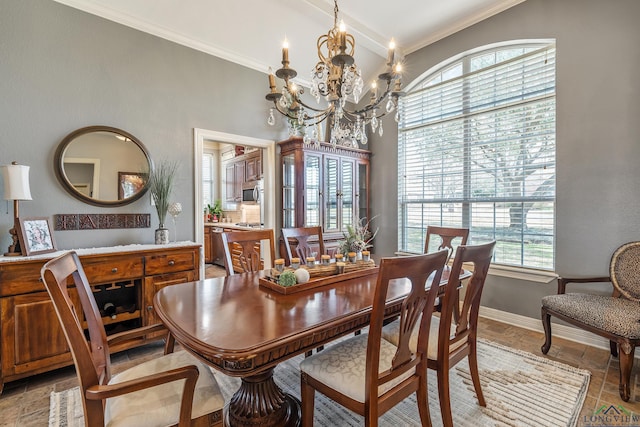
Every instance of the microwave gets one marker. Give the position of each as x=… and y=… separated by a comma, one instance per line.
x=251, y=191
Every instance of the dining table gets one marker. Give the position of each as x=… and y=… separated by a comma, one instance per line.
x=244, y=329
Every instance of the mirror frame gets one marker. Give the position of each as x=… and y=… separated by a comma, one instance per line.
x=62, y=177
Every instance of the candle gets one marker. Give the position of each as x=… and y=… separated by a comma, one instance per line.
x=279, y=263
x=311, y=261
x=295, y=263
x=285, y=52
x=343, y=36
x=326, y=259
x=272, y=80
x=392, y=47
x=374, y=90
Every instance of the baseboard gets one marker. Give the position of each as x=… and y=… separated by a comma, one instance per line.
x=558, y=331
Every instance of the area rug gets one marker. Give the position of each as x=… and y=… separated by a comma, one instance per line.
x=520, y=388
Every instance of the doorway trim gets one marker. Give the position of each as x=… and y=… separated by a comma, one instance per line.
x=268, y=167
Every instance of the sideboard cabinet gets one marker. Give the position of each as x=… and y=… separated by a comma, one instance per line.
x=323, y=185
x=123, y=283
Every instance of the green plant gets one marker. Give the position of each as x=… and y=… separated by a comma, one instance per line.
x=287, y=278
x=161, y=181
x=357, y=238
x=216, y=209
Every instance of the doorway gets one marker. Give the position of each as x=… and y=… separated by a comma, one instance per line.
x=268, y=166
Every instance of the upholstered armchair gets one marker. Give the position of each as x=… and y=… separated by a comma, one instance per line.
x=615, y=317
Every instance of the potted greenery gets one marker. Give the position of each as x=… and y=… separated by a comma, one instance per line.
x=357, y=238
x=161, y=181
x=216, y=210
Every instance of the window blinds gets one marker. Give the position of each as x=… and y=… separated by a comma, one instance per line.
x=477, y=149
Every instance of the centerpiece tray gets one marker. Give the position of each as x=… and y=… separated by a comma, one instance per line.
x=320, y=275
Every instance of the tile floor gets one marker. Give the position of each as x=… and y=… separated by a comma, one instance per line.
x=26, y=402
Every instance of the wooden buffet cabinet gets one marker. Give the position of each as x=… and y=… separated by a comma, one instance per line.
x=323, y=185
x=31, y=339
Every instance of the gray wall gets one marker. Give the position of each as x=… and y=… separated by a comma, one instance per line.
x=62, y=69
x=598, y=134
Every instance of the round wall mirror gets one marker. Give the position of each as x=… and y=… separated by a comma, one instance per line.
x=103, y=166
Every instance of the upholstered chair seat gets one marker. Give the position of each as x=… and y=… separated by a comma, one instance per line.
x=618, y=316
x=160, y=405
x=342, y=367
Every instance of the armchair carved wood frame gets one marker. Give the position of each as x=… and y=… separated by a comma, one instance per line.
x=615, y=317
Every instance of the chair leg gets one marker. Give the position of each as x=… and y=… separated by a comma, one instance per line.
x=422, y=396
x=475, y=375
x=614, y=348
x=307, y=394
x=546, y=324
x=443, y=393
x=626, y=365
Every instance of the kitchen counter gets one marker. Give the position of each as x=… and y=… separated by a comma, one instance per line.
x=227, y=225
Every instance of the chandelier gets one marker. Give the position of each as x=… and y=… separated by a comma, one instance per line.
x=335, y=78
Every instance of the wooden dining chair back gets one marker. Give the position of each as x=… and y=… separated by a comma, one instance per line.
x=452, y=338
x=369, y=375
x=445, y=238
x=614, y=316
x=244, y=250
x=168, y=390
x=306, y=241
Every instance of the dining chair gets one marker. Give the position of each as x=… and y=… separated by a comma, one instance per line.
x=367, y=374
x=450, y=341
x=613, y=317
x=174, y=389
x=443, y=238
x=307, y=240
x=242, y=250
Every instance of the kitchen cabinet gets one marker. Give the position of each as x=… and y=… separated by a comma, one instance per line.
x=123, y=284
x=239, y=170
x=324, y=186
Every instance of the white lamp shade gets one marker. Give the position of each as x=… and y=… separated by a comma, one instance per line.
x=16, y=182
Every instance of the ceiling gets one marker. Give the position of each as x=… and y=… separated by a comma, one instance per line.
x=251, y=32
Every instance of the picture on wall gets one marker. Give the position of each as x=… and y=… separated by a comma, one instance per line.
x=35, y=236
x=129, y=183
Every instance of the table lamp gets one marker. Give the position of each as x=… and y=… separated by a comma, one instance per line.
x=16, y=188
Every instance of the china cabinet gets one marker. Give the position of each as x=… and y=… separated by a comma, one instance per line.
x=325, y=186
x=123, y=279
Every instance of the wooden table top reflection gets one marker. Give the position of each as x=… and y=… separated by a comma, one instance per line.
x=245, y=330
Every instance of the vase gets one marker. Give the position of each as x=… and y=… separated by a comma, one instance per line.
x=162, y=235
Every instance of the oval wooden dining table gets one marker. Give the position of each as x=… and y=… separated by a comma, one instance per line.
x=245, y=330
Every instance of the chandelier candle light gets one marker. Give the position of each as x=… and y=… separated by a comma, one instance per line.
x=335, y=77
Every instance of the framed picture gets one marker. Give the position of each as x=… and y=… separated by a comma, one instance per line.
x=129, y=183
x=35, y=236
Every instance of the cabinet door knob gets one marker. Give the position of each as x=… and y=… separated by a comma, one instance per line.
x=149, y=308
x=172, y=262
x=114, y=270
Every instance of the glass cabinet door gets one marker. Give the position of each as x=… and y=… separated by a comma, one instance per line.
x=288, y=191
x=312, y=190
x=363, y=195
x=347, y=196
x=331, y=182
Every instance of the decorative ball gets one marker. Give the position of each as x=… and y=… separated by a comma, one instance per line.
x=302, y=275
x=287, y=278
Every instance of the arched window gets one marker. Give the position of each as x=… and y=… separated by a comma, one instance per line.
x=476, y=149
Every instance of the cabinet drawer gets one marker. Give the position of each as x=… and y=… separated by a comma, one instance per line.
x=170, y=263
x=20, y=278
x=113, y=269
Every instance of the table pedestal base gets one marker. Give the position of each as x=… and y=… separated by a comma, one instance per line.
x=260, y=402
